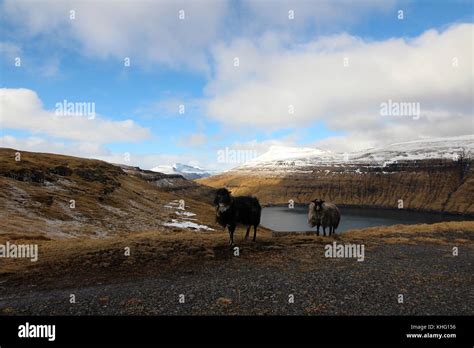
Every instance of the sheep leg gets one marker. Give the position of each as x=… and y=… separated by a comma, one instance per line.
x=317, y=230
x=231, y=235
x=254, y=232
x=247, y=234
x=324, y=231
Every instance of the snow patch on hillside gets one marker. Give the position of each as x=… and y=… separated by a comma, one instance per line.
x=280, y=153
x=187, y=224
x=183, y=218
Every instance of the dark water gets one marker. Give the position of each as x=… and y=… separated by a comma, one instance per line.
x=284, y=219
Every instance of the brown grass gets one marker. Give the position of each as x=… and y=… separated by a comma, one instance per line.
x=133, y=215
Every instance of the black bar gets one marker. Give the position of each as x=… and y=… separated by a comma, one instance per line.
x=240, y=330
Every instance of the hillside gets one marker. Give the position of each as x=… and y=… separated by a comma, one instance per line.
x=61, y=196
x=427, y=175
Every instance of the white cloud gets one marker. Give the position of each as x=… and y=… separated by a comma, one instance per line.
x=145, y=31
x=90, y=150
x=22, y=109
x=40, y=144
x=277, y=69
x=151, y=31
x=313, y=79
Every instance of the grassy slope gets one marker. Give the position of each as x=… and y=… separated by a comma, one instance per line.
x=35, y=200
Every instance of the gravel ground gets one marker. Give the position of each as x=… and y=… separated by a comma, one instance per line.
x=431, y=279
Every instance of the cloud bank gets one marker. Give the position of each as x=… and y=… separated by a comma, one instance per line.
x=22, y=109
x=342, y=80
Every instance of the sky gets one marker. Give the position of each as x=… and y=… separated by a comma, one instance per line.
x=215, y=83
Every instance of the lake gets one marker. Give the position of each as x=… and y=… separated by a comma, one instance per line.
x=284, y=219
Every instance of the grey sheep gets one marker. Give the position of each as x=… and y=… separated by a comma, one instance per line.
x=323, y=214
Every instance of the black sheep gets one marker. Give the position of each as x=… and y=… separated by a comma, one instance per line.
x=232, y=211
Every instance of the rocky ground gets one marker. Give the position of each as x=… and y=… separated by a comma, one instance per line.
x=413, y=261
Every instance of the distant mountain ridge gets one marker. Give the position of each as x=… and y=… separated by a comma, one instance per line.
x=187, y=171
x=282, y=157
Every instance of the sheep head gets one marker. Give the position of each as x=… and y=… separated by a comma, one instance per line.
x=223, y=199
x=318, y=205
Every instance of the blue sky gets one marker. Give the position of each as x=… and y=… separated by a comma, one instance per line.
x=186, y=62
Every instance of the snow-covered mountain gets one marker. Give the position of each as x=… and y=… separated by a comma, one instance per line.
x=424, y=174
x=187, y=171
x=434, y=148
